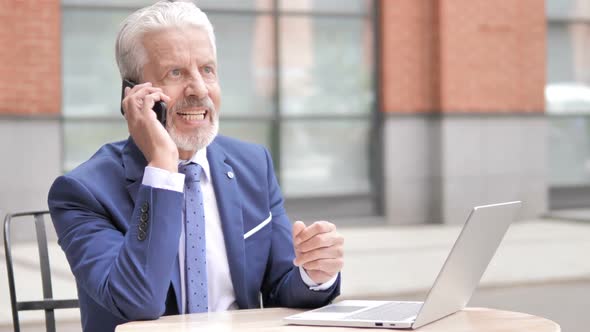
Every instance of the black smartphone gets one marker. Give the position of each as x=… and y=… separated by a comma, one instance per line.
x=159, y=106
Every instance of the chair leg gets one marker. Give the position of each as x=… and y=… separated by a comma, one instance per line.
x=10, y=271
x=49, y=320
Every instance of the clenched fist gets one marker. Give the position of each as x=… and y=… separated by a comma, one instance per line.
x=318, y=249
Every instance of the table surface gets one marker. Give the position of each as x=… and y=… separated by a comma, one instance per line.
x=267, y=320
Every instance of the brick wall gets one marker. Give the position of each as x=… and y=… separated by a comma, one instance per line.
x=30, y=57
x=410, y=55
x=463, y=55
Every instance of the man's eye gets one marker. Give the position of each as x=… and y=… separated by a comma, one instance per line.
x=208, y=70
x=175, y=72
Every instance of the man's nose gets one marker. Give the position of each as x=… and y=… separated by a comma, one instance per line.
x=196, y=87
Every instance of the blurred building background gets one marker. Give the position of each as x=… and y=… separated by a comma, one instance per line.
x=377, y=112
x=413, y=111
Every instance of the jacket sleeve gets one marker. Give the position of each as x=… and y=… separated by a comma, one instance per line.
x=126, y=271
x=283, y=286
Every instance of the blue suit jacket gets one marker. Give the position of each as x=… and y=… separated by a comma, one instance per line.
x=126, y=273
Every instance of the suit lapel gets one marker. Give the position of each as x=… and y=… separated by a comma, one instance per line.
x=230, y=212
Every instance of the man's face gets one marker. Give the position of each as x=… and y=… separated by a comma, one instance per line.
x=182, y=63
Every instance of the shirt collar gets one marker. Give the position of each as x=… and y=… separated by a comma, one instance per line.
x=200, y=157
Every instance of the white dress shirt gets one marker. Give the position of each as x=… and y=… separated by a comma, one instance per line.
x=221, y=294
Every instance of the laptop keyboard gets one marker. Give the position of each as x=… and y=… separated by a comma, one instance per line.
x=394, y=311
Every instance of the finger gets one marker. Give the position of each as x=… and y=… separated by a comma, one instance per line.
x=317, y=227
x=321, y=241
x=140, y=107
x=138, y=87
x=298, y=226
x=150, y=99
x=146, y=90
x=151, y=91
x=134, y=99
x=323, y=253
x=141, y=92
x=330, y=266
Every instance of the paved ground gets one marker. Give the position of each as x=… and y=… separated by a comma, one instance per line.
x=380, y=262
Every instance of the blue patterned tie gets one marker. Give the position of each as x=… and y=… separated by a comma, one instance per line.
x=195, y=249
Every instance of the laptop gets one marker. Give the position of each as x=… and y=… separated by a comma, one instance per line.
x=472, y=252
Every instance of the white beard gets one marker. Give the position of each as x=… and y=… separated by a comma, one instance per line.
x=195, y=141
x=199, y=139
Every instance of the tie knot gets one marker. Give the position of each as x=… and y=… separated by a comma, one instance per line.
x=191, y=171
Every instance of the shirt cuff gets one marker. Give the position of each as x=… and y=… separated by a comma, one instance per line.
x=314, y=286
x=163, y=179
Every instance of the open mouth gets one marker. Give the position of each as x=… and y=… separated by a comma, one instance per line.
x=194, y=116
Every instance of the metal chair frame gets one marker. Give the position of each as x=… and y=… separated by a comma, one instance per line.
x=48, y=304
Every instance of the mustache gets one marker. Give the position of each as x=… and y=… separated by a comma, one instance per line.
x=193, y=101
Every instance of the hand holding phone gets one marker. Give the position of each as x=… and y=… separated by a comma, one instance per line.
x=151, y=138
x=159, y=106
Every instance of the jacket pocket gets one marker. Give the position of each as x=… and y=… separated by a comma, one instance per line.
x=258, y=227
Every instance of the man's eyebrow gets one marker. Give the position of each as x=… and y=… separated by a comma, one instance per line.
x=210, y=62
x=168, y=64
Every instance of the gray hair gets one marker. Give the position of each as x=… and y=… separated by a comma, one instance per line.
x=129, y=51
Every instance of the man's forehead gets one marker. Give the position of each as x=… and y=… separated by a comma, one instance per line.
x=169, y=43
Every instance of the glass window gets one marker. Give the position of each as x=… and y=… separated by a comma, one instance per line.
x=83, y=138
x=91, y=80
x=568, y=9
x=326, y=6
x=325, y=157
x=235, y=4
x=567, y=96
x=246, y=62
x=569, y=151
x=568, y=70
x=252, y=131
x=203, y=4
x=326, y=66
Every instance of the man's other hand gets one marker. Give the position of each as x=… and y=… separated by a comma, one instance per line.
x=150, y=136
x=318, y=249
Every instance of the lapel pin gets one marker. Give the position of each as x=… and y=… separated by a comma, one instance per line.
x=230, y=175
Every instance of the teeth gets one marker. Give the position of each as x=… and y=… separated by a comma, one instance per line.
x=193, y=117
